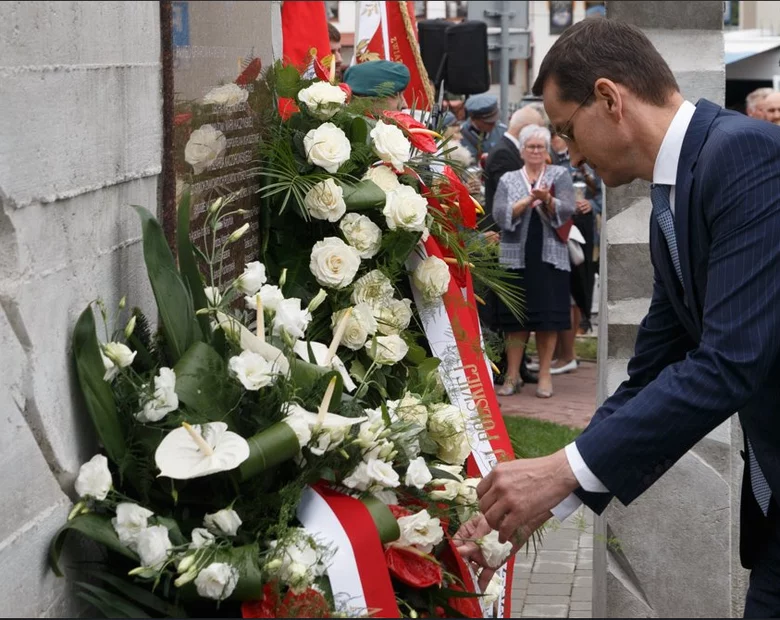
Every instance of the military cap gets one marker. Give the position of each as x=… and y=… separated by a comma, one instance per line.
x=483, y=107
x=377, y=78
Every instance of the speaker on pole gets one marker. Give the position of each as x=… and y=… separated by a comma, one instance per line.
x=468, y=71
x=432, y=34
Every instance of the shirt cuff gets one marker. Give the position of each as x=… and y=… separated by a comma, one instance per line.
x=567, y=507
x=588, y=481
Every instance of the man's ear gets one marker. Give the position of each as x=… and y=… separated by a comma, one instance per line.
x=608, y=93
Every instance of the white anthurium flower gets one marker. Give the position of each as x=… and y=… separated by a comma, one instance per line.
x=217, y=581
x=252, y=279
x=195, y=451
x=153, y=546
x=391, y=145
x=205, y=146
x=387, y=350
x=372, y=288
x=94, y=479
x=494, y=552
x=383, y=177
x=201, y=537
x=301, y=349
x=432, y=277
x=405, y=209
x=322, y=99
x=250, y=342
x=327, y=146
x=417, y=474
x=110, y=368
x=253, y=370
x=325, y=201
x=333, y=263
x=225, y=521
x=362, y=234
x=393, y=316
x=129, y=521
x=164, y=400
x=420, y=530
x=291, y=319
x=228, y=95
x=300, y=426
x=120, y=354
x=270, y=296
x=329, y=429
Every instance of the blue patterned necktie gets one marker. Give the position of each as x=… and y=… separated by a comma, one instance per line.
x=662, y=209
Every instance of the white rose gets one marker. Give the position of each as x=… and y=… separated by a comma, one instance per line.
x=153, y=546
x=327, y=146
x=130, y=520
x=325, y=201
x=322, y=99
x=201, y=537
x=94, y=479
x=421, y=531
x=252, y=279
x=334, y=263
x=417, y=474
x=494, y=552
x=359, y=479
x=383, y=177
x=449, y=492
x=164, y=400
x=432, y=277
x=362, y=234
x=227, y=95
x=290, y=318
x=445, y=420
x=454, y=449
x=300, y=426
x=393, y=316
x=391, y=145
x=360, y=325
x=467, y=492
x=213, y=296
x=405, y=209
x=217, y=581
x=204, y=147
x=382, y=473
x=373, y=288
x=493, y=591
x=119, y=354
x=270, y=296
x=253, y=370
x=225, y=521
x=410, y=409
x=387, y=350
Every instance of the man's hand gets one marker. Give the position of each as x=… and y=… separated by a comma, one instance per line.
x=583, y=207
x=517, y=492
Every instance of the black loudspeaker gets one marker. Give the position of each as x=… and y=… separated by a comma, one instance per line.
x=432, y=34
x=468, y=72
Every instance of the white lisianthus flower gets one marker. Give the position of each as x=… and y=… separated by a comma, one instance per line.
x=297, y=561
x=164, y=400
x=359, y=478
x=405, y=209
x=369, y=432
x=362, y=234
x=225, y=521
x=110, y=368
x=325, y=201
x=252, y=279
x=387, y=350
x=383, y=177
x=289, y=318
x=409, y=409
x=391, y=145
x=217, y=581
x=360, y=325
x=393, y=316
x=94, y=479
x=449, y=492
x=201, y=537
x=327, y=146
x=204, y=147
x=322, y=99
x=120, y=354
x=494, y=552
x=329, y=431
x=153, y=546
x=432, y=277
x=417, y=474
x=386, y=496
x=334, y=263
x=300, y=426
x=227, y=95
x=421, y=531
x=382, y=473
x=270, y=296
x=130, y=520
x=493, y=591
x=253, y=370
x=213, y=296
x=373, y=288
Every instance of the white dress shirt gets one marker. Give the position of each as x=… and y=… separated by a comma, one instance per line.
x=512, y=139
x=664, y=173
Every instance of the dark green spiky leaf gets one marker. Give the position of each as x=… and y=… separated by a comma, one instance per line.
x=364, y=196
x=268, y=448
x=187, y=264
x=138, y=594
x=93, y=526
x=117, y=603
x=203, y=384
x=399, y=244
x=288, y=81
x=107, y=610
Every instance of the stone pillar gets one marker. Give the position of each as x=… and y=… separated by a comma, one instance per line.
x=674, y=551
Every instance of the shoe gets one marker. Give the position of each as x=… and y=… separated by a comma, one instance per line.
x=540, y=393
x=570, y=367
x=534, y=366
x=509, y=387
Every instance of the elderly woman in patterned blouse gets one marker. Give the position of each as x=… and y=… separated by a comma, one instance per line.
x=528, y=207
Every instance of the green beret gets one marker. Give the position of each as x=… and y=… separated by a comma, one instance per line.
x=377, y=78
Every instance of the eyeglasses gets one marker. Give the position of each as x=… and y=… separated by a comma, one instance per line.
x=535, y=147
x=567, y=132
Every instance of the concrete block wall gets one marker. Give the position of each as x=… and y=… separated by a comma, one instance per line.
x=80, y=141
x=674, y=551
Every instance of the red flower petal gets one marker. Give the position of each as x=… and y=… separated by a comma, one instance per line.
x=307, y=604
x=410, y=567
x=287, y=107
x=404, y=120
x=181, y=119
x=347, y=90
x=399, y=511
x=251, y=72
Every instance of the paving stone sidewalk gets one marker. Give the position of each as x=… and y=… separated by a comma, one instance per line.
x=556, y=580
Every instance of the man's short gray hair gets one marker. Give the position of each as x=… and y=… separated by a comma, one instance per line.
x=527, y=115
x=534, y=131
x=757, y=96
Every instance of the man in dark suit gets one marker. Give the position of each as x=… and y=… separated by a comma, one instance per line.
x=710, y=343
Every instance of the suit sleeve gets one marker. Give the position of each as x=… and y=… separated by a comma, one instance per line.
x=652, y=421
x=500, y=163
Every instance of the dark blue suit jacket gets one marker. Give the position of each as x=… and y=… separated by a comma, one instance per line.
x=712, y=348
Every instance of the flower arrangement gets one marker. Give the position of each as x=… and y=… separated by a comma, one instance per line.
x=302, y=388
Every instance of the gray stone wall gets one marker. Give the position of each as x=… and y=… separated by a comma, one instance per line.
x=674, y=551
x=80, y=140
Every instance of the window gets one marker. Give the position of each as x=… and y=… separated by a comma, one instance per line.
x=457, y=9
x=495, y=72
x=332, y=10
x=420, y=9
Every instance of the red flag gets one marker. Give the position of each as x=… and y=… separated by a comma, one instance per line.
x=304, y=26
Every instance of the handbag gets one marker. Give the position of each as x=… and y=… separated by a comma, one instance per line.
x=575, y=243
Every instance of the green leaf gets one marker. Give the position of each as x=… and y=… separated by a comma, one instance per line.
x=95, y=527
x=140, y=595
x=399, y=244
x=97, y=393
x=174, y=303
x=114, y=602
x=440, y=473
x=417, y=354
x=268, y=448
x=107, y=610
x=288, y=81
x=359, y=129
x=187, y=264
x=306, y=374
x=386, y=523
x=203, y=384
x=363, y=196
